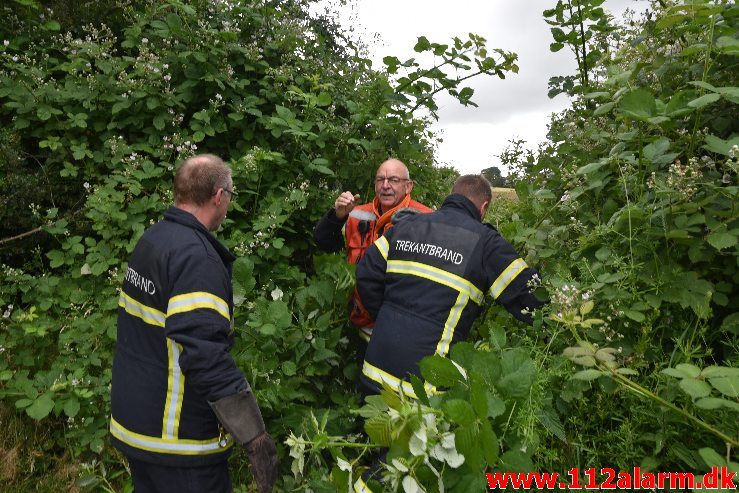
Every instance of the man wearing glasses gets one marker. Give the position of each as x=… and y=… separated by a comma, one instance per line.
x=356, y=227
x=176, y=390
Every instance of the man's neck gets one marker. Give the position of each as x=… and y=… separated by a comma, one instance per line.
x=198, y=211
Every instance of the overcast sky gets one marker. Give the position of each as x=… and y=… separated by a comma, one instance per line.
x=517, y=106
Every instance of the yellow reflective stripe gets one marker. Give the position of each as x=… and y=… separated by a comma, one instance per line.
x=383, y=246
x=199, y=299
x=505, y=278
x=361, y=487
x=365, y=333
x=343, y=234
x=437, y=275
x=167, y=445
x=175, y=392
x=148, y=314
x=451, y=323
x=381, y=376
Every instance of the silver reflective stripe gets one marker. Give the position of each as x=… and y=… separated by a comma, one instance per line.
x=148, y=314
x=437, y=275
x=505, y=278
x=362, y=215
x=154, y=444
x=451, y=323
x=200, y=299
x=381, y=376
x=361, y=487
x=383, y=246
x=174, y=392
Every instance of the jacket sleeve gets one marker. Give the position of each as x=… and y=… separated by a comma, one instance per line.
x=327, y=232
x=198, y=325
x=371, y=275
x=511, y=280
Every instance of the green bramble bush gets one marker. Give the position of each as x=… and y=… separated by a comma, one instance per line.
x=99, y=101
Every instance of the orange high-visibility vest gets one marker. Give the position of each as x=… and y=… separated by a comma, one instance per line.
x=362, y=228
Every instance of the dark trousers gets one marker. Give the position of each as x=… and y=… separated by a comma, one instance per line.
x=155, y=478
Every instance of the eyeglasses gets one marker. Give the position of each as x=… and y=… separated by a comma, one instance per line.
x=231, y=192
x=393, y=180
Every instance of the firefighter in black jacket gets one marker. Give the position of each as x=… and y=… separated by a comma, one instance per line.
x=425, y=281
x=173, y=377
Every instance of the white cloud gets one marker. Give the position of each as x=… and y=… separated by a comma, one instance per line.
x=517, y=106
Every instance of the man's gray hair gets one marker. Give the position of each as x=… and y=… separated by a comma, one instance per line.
x=199, y=177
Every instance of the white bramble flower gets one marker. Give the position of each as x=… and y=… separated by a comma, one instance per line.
x=6, y=42
x=276, y=294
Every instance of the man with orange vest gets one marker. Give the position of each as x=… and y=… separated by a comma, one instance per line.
x=356, y=227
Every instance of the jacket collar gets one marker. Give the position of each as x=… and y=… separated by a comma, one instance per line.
x=384, y=220
x=179, y=216
x=462, y=204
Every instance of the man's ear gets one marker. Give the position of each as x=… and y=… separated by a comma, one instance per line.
x=408, y=186
x=218, y=196
x=484, y=209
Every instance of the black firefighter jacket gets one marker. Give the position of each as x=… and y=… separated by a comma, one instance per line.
x=425, y=281
x=172, y=352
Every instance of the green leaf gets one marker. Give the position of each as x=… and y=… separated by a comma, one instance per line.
x=720, y=146
x=603, y=253
x=289, y=368
x=639, y=104
x=517, y=373
x=466, y=442
x=322, y=169
x=634, y=315
x=268, y=329
x=589, y=168
x=604, y=108
x=323, y=99
x=41, y=407
x=279, y=313
x=459, y=411
x=587, y=375
x=704, y=100
x=702, y=84
x=379, y=429
x=284, y=113
x=419, y=389
x=711, y=457
x=43, y=113
x=489, y=442
x=516, y=461
x=423, y=44
x=721, y=239
x=555, y=47
x=689, y=370
x=728, y=386
x=72, y=407
x=716, y=403
x=728, y=44
x=439, y=371
x=719, y=371
x=586, y=360
x=656, y=148
x=478, y=396
x=695, y=388
x=669, y=20
x=496, y=406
